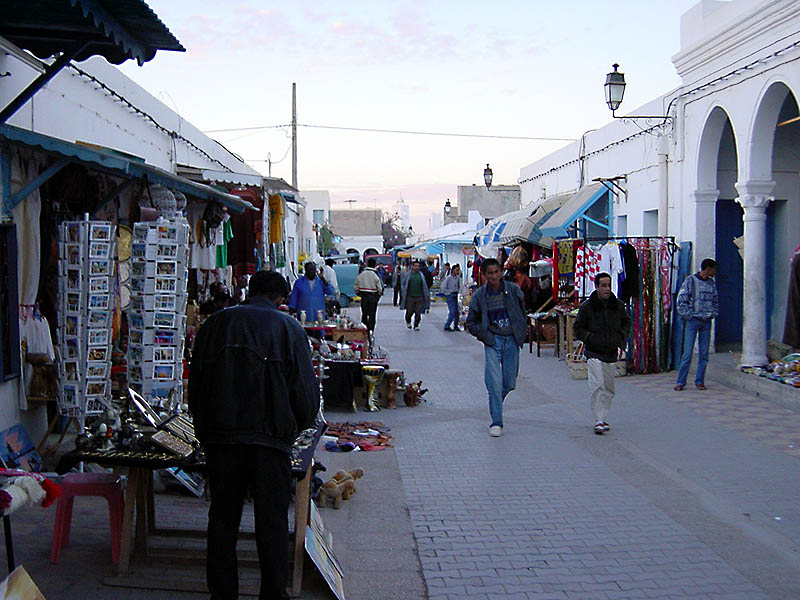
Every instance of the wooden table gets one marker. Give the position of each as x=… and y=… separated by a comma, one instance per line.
x=535, y=332
x=139, y=519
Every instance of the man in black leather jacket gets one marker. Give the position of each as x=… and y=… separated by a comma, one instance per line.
x=602, y=325
x=252, y=388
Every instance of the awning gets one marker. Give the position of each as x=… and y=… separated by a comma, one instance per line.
x=231, y=177
x=114, y=29
x=556, y=226
x=109, y=161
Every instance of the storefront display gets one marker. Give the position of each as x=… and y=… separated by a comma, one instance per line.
x=85, y=296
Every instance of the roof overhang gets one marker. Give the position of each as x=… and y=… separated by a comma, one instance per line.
x=108, y=161
x=556, y=226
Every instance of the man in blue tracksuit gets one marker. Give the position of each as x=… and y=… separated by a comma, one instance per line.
x=698, y=304
x=308, y=293
x=497, y=318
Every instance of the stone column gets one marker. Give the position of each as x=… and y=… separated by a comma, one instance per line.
x=754, y=198
x=705, y=226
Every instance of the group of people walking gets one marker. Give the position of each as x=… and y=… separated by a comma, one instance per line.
x=497, y=318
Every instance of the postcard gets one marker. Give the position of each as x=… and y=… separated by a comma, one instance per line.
x=98, y=353
x=73, y=301
x=161, y=392
x=165, y=302
x=70, y=370
x=136, y=320
x=135, y=373
x=164, y=319
x=17, y=451
x=73, y=254
x=164, y=337
x=138, y=250
x=163, y=371
x=99, y=250
x=100, y=232
x=166, y=284
x=164, y=354
x=98, y=337
x=99, y=318
x=167, y=267
x=96, y=388
x=98, y=284
x=135, y=353
x=98, y=301
x=97, y=370
x=73, y=233
x=72, y=348
x=168, y=232
x=166, y=250
x=135, y=336
x=73, y=279
x=72, y=325
x=100, y=267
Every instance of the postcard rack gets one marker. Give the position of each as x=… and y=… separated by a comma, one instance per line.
x=157, y=317
x=86, y=306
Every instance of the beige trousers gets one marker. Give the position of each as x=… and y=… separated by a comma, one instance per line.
x=601, y=386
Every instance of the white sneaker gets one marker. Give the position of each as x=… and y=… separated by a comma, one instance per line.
x=495, y=431
x=416, y=328
x=408, y=325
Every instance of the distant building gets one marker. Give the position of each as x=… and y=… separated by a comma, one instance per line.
x=359, y=230
x=401, y=210
x=318, y=206
x=489, y=202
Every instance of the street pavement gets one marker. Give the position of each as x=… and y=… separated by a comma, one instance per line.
x=690, y=495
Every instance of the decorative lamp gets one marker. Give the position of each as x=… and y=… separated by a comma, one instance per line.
x=487, y=176
x=615, y=88
x=447, y=206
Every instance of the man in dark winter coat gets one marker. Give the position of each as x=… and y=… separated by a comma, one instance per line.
x=251, y=390
x=602, y=325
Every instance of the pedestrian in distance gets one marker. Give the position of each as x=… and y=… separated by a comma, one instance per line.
x=309, y=292
x=497, y=318
x=252, y=388
x=451, y=286
x=698, y=305
x=397, y=278
x=602, y=325
x=329, y=273
x=369, y=286
x=415, y=295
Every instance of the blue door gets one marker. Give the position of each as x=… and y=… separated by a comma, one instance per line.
x=730, y=274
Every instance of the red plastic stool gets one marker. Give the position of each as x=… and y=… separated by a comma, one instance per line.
x=106, y=485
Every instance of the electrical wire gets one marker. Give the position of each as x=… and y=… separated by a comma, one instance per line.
x=399, y=131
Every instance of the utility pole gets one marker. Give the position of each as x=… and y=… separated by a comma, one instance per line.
x=294, y=136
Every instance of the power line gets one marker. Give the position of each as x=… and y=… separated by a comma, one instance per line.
x=399, y=131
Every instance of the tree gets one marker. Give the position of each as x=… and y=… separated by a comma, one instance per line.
x=393, y=233
x=324, y=240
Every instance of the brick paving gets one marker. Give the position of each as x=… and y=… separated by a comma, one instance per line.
x=652, y=510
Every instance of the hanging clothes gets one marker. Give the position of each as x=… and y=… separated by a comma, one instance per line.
x=630, y=286
x=791, y=331
x=586, y=268
x=610, y=261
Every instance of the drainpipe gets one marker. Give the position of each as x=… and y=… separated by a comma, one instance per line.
x=663, y=186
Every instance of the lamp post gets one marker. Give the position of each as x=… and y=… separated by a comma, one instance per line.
x=487, y=176
x=615, y=90
x=448, y=207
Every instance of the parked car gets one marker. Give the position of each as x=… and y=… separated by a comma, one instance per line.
x=346, y=277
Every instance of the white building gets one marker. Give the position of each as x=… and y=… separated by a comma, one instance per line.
x=725, y=164
x=401, y=210
x=318, y=206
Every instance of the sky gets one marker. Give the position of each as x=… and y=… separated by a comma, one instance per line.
x=504, y=68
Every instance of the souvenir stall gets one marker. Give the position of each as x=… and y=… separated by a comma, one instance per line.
x=642, y=277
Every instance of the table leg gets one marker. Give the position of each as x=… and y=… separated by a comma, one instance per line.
x=142, y=511
x=302, y=512
x=134, y=476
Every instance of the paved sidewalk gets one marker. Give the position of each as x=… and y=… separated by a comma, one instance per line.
x=689, y=496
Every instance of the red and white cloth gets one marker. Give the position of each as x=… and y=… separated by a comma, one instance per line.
x=586, y=267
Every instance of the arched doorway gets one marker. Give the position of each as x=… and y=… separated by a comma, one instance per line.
x=717, y=176
x=370, y=252
x=775, y=157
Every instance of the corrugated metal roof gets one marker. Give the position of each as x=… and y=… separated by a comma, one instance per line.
x=572, y=210
x=120, y=164
x=114, y=29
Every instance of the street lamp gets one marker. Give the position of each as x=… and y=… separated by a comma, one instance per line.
x=448, y=207
x=615, y=90
x=487, y=176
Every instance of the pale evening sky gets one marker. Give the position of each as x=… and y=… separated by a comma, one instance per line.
x=504, y=68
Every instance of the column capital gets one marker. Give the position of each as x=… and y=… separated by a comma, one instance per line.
x=755, y=194
x=709, y=196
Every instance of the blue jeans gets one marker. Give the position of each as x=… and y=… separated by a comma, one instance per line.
x=452, y=307
x=500, y=373
x=702, y=331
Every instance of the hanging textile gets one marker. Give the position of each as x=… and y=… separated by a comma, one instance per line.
x=275, y=219
x=586, y=268
x=791, y=331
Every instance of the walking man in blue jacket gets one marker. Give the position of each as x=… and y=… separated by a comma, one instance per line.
x=252, y=389
x=698, y=304
x=497, y=318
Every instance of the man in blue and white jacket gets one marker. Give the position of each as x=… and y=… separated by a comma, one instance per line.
x=698, y=304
